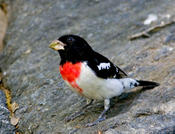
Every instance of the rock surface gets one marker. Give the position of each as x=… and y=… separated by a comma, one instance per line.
x=5, y=125
x=31, y=68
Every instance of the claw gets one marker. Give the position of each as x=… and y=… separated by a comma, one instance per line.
x=96, y=122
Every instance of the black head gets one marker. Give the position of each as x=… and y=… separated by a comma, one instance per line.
x=72, y=48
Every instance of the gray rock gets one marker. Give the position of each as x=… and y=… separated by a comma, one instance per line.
x=5, y=126
x=32, y=74
x=164, y=52
x=170, y=38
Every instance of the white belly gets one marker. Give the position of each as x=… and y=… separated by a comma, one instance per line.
x=97, y=88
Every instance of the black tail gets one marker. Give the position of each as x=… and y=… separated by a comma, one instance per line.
x=148, y=84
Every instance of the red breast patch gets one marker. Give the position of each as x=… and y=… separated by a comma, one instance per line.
x=70, y=72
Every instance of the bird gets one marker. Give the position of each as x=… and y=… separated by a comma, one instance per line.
x=90, y=74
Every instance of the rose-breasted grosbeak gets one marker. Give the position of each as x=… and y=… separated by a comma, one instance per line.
x=90, y=74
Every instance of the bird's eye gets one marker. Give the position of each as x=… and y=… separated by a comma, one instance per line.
x=70, y=39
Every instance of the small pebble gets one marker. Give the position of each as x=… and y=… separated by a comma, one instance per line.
x=151, y=18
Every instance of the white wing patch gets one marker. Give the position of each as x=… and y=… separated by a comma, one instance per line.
x=103, y=66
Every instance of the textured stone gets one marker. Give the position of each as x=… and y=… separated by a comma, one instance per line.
x=5, y=126
x=31, y=69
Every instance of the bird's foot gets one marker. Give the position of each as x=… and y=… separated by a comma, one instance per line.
x=102, y=116
x=96, y=122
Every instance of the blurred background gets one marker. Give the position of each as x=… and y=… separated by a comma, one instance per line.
x=137, y=35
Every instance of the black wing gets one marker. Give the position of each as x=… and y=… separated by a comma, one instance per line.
x=105, y=68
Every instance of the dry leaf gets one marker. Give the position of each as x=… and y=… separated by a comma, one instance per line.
x=3, y=27
x=14, y=120
x=15, y=106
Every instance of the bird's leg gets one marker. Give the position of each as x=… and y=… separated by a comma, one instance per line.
x=80, y=112
x=106, y=108
x=102, y=115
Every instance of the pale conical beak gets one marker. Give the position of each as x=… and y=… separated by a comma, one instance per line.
x=57, y=45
